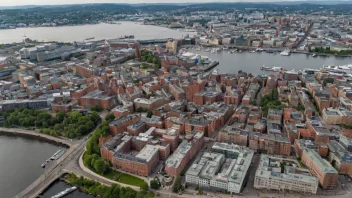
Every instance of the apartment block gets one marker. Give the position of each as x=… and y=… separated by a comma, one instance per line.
x=151, y=103
x=269, y=175
x=340, y=157
x=225, y=169
x=120, y=125
x=175, y=164
x=319, y=167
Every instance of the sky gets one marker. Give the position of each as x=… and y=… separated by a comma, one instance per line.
x=59, y=2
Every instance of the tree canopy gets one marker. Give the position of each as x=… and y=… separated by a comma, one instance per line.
x=71, y=125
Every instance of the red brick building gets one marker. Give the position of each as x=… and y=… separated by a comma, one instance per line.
x=120, y=125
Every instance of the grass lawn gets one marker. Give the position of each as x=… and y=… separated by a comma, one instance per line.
x=121, y=177
x=124, y=178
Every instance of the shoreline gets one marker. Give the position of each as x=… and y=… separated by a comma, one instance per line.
x=34, y=135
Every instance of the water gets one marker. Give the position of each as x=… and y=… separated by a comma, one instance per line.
x=59, y=186
x=99, y=31
x=251, y=62
x=20, y=160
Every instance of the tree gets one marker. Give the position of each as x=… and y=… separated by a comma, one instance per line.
x=144, y=187
x=150, y=59
x=96, y=108
x=87, y=160
x=100, y=166
x=328, y=80
x=156, y=60
x=282, y=166
x=154, y=184
x=254, y=103
x=149, y=114
x=177, y=187
x=109, y=117
x=140, y=109
x=250, y=75
x=200, y=191
x=300, y=107
x=60, y=116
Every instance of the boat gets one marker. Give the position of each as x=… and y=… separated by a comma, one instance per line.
x=276, y=68
x=65, y=192
x=285, y=53
x=44, y=164
x=314, y=55
x=346, y=67
x=339, y=69
x=90, y=38
x=215, y=50
x=233, y=51
x=259, y=49
x=252, y=51
x=309, y=71
x=225, y=48
x=207, y=50
x=57, y=155
x=127, y=37
x=265, y=68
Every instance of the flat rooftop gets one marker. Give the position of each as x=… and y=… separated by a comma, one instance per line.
x=324, y=165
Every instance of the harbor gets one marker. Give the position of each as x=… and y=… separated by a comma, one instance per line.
x=19, y=167
x=252, y=62
x=59, y=186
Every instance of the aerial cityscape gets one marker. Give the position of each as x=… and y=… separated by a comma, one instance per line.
x=231, y=99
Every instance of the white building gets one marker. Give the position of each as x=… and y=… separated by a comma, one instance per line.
x=225, y=169
x=269, y=176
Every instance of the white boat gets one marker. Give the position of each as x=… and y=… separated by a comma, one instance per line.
x=346, y=67
x=65, y=192
x=225, y=48
x=314, y=55
x=259, y=49
x=265, y=68
x=277, y=68
x=252, y=51
x=57, y=155
x=285, y=53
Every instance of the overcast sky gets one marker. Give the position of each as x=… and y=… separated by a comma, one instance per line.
x=57, y=2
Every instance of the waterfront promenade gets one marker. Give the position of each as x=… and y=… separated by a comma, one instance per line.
x=35, y=134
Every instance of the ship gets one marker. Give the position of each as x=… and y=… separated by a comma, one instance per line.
x=274, y=69
x=265, y=68
x=285, y=53
x=339, y=69
x=277, y=69
x=127, y=37
x=57, y=155
x=90, y=38
x=65, y=192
